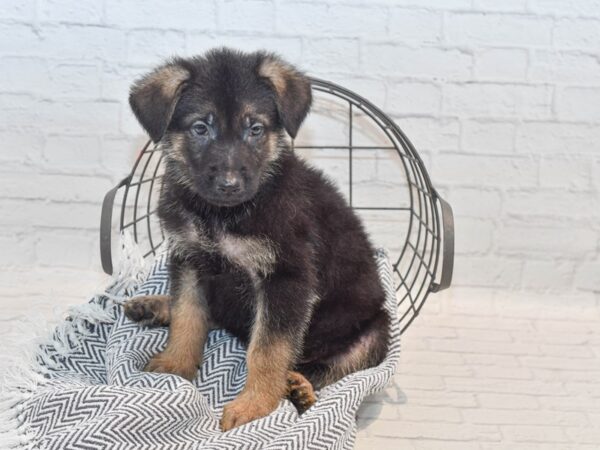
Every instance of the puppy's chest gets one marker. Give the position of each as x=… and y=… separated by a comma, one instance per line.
x=255, y=254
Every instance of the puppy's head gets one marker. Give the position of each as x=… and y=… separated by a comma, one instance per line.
x=221, y=118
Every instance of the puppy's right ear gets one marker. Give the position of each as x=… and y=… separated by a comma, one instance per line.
x=154, y=96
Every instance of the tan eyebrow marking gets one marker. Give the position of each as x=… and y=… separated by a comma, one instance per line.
x=250, y=115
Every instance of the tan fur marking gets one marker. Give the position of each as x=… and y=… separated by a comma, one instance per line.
x=193, y=236
x=300, y=391
x=276, y=72
x=268, y=365
x=256, y=255
x=169, y=78
x=187, y=332
x=269, y=358
x=174, y=147
x=266, y=383
x=267, y=368
x=273, y=147
x=248, y=109
x=352, y=360
x=262, y=118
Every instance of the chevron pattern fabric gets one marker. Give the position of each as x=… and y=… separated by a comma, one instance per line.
x=96, y=395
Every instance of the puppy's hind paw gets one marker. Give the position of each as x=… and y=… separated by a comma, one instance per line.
x=300, y=392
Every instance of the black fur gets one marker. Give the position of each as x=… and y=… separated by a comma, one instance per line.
x=322, y=251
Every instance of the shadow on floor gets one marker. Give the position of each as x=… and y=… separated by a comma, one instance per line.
x=370, y=410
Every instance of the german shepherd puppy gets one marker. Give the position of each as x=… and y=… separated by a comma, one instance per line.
x=262, y=245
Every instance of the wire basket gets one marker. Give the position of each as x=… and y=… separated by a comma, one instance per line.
x=376, y=168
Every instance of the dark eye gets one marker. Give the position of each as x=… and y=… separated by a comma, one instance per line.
x=200, y=128
x=257, y=130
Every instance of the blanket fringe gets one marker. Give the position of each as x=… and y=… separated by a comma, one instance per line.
x=29, y=372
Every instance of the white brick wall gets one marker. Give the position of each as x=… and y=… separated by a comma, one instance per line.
x=501, y=98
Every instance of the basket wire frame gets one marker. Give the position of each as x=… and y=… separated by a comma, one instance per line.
x=415, y=267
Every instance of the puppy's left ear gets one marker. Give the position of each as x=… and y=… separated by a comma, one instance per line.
x=294, y=94
x=154, y=96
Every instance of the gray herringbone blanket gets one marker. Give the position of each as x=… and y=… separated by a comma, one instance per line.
x=87, y=390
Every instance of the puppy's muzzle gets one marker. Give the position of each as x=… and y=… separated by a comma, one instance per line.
x=229, y=184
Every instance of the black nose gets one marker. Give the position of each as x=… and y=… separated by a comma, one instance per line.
x=228, y=185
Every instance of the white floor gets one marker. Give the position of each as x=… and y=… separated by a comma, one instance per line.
x=487, y=370
x=480, y=369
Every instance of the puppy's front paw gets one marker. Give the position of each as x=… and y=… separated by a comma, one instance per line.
x=167, y=363
x=245, y=408
x=149, y=310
